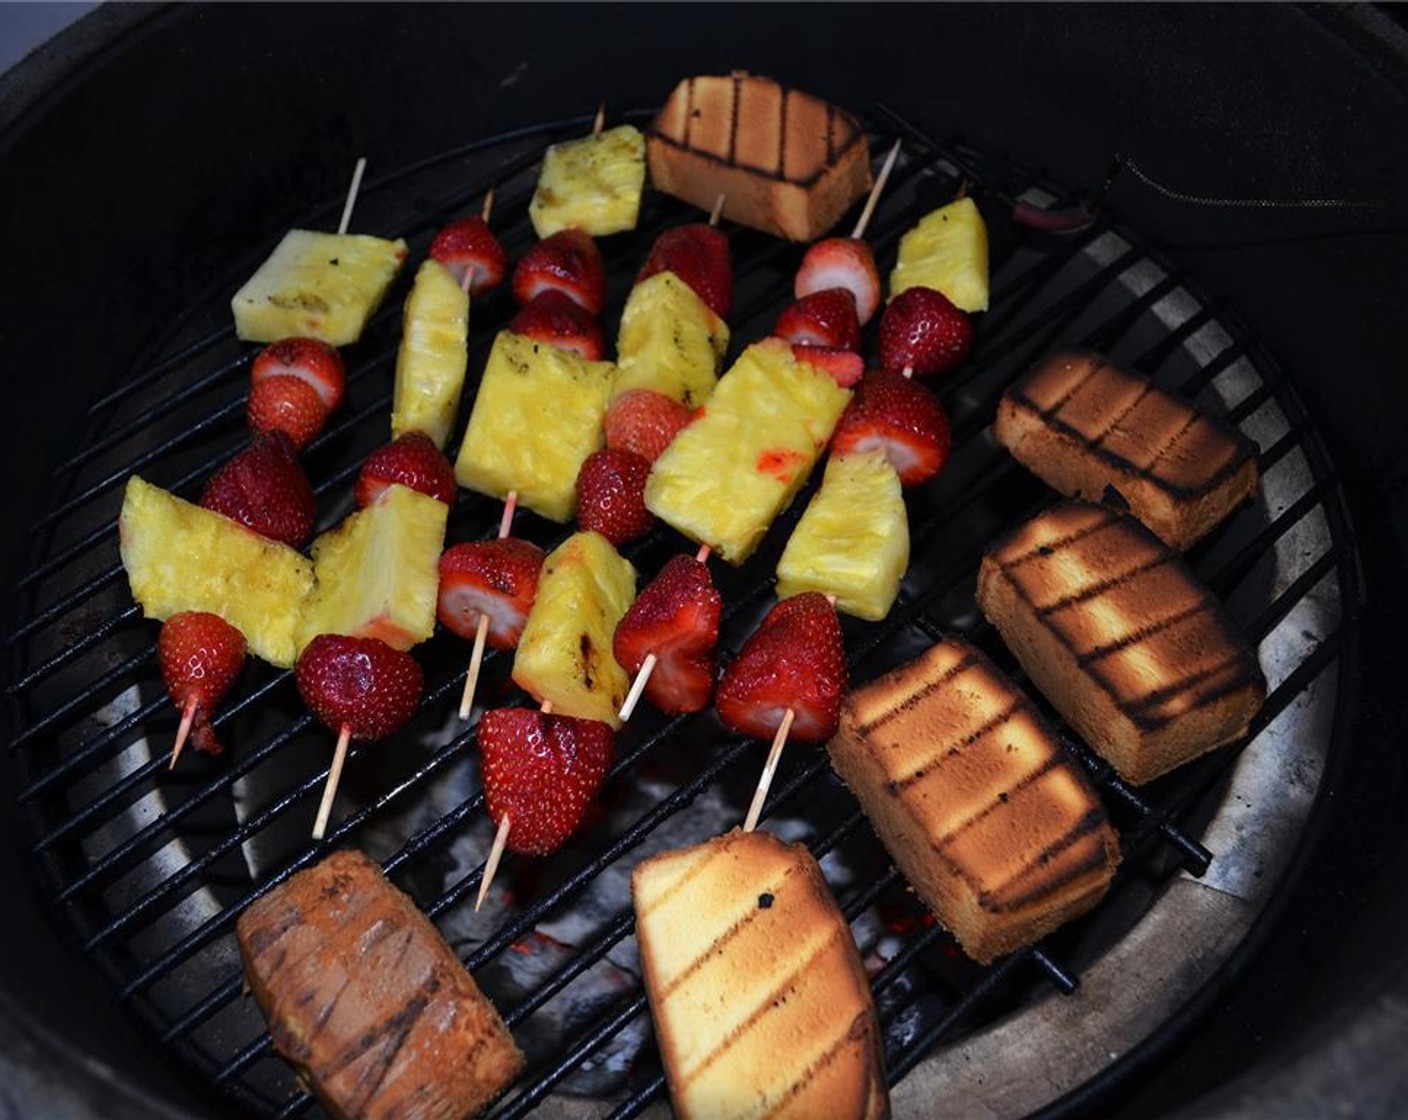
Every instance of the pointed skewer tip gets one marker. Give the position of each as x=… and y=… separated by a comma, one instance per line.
x=491, y=865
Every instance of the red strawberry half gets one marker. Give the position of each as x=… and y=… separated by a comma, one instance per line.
x=469, y=245
x=795, y=659
x=559, y=321
x=568, y=261
x=200, y=655
x=890, y=413
x=412, y=460
x=826, y=318
x=287, y=404
x=841, y=262
x=922, y=330
x=644, y=421
x=359, y=683
x=698, y=255
x=541, y=770
x=311, y=359
x=844, y=366
x=498, y=578
x=611, y=495
x=675, y=617
x=264, y=488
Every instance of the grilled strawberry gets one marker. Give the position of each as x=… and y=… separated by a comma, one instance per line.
x=568, y=261
x=200, y=655
x=844, y=366
x=469, y=245
x=922, y=330
x=412, y=460
x=287, y=404
x=498, y=578
x=265, y=489
x=795, y=659
x=362, y=684
x=895, y=415
x=675, y=617
x=611, y=495
x=541, y=770
x=826, y=318
x=841, y=262
x=553, y=318
x=644, y=421
x=698, y=255
x=308, y=358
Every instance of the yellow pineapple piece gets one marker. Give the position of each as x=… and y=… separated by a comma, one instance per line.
x=183, y=557
x=564, y=656
x=730, y=472
x=670, y=341
x=536, y=418
x=319, y=285
x=946, y=251
x=593, y=184
x=853, y=540
x=378, y=572
x=431, y=363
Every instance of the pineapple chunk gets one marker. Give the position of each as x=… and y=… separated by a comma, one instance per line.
x=731, y=471
x=564, y=656
x=670, y=341
x=536, y=419
x=183, y=557
x=430, y=366
x=593, y=184
x=853, y=540
x=378, y=572
x=946, y=251
x=320, y=285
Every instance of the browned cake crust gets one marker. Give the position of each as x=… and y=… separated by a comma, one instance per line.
x=1092, y=430
x=363, y=995
x=760, y=1002
x=980, y=807
x=784, y=161
x=1114, y=629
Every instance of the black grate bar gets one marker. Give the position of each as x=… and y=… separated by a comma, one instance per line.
x=70, y=652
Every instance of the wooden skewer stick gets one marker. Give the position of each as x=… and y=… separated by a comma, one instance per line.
x=510, y=507
x=188, y=719
x=647, y=665
x=717, y=211
x=600, y=119
x=339, y=756
x=352, y=194
x=496, y=850
x=467, y=280
x=880, y=181
x=481, y=631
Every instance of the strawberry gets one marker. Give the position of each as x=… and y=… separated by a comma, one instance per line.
x=675, y=617
x=644, y=421
x=498, y=578
x=412, y=460
x=924, y=331
x=200, y=655
x=611, y=495
x=826, y=318
x=568, y=261
x=841, y=262
x=553, y=318
x=309, y=358
x=795, y=659
x=698, y=255
x=541, y=770
x=844, y=366
x=362, y=684
x=264, y=488
x=469, y=245
x=286, y=404
x=900, y=417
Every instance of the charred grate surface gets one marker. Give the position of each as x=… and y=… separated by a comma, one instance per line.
x=150, y=869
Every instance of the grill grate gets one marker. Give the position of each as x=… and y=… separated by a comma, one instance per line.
x=150, y=869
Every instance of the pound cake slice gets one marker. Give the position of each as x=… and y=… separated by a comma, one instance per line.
x=1119, y=635
x=1095, y=431
x=990, y=820
x=760, y=1003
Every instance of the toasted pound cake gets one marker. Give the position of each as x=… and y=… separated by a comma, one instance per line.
x=1115, y=630
x=760, y=1003
x=992, y=823
x=363, y=995
x=1092, y=430
x=783, y=161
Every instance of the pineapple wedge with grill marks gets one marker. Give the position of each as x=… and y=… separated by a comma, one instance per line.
x=730, y=472
x=593, y=184
x=183, y=557
x=946, y=251
x=565, y=655
x=853, y=540
x=378, y=572
x=536, y=418
x=318, y=285
x=431, y=363
x=670, y=341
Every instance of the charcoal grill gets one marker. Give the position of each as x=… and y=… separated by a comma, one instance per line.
x=145, y=872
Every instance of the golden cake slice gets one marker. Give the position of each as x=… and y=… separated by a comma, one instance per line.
x=992, y=823
x=760, y=1003
x=1119, y=635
